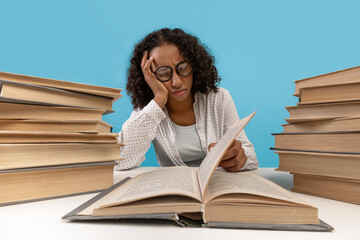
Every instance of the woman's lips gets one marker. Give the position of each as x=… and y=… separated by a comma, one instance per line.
x=180, y=92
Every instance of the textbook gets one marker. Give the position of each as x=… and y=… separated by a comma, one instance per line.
x=15, y=156
x=344, y=92
x=30, y=184
x=332, y=142
x=56, y=137
x=28, y=111
x=29, y=93
x=41, y=125
x=205, y=196
x=323, y=164
x=326, y=125
x=346, y=190
x=343, y=76
x=113, y=93
x=314, y=112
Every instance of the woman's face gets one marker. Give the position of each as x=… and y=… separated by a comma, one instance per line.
x=179, y=87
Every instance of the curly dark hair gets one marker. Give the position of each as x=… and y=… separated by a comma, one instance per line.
x=205, y=75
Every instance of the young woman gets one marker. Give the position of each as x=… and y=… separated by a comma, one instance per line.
x=178, y=107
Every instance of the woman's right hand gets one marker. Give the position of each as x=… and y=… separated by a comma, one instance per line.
x=160, y=91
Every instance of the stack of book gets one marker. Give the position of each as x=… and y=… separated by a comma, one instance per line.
x=320, y=144
x=53, y=141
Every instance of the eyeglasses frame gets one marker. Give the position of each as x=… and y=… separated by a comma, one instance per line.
x=171, y=71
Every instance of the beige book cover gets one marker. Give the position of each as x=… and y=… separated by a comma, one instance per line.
x=334, y=142
x=15, y=156
x=75, y=126
x=342, y=76
x=322, y=164
x=56, y=137
x=46, y=95
x=344, y=92
x=34, y=184
x=340, y=189
x=113, y=93
x=313, y=112
x=349, y=124
x=28, y=111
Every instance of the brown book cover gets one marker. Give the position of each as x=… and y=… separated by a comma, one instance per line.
x=28, y=111
x=322, y=164
x=342, y=76
x=113, y=93
x=14, y=156
x=313, y=112
x=28, y=93
x=32, y=184
x=334, y=188
x=344, y=92
x=336, y=142
x=327, y=125
x=76, y=126
x=56, y=137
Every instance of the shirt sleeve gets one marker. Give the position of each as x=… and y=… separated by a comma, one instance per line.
x=137, y=133
x=230, y=116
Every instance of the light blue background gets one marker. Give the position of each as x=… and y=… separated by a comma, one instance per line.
x=260, y=47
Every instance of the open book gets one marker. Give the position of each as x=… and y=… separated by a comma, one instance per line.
x=202, y=194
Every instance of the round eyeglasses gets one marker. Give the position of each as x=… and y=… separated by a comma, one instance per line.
x=165, y=73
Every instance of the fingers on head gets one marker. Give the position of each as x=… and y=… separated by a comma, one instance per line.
x=144, y=58
x=145, y=62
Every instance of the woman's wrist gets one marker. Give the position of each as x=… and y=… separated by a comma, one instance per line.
x=161, y=100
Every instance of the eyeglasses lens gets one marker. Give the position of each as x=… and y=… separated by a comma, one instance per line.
x=184, y=68
x=163, y=73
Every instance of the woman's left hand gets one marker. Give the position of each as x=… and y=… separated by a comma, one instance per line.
x=234, y=158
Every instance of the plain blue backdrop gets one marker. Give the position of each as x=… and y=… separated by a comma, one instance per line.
x=260, y=47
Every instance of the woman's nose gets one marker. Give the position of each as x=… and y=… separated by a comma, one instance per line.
x=176, y=80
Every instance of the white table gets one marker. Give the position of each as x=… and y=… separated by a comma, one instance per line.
x=42, y=220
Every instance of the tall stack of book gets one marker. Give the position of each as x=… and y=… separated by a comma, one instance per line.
x=53, y=141
x=320, y=144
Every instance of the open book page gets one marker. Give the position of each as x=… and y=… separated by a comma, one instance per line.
x=249, y=183
x=211, y=161
x=161, y=182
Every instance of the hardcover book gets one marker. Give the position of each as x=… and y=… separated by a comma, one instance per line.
x=345, y=92
x=332, y=142
x=33, y=184
x=11, y=110
x=56, y=137
x=113, y=93
x=15, y=156
x=323, y=164
x=42, y=125
x=314, y=112
x=204, y=197
x=28, y=93
x=349, y=124
x=346, y=190
x=343, y=76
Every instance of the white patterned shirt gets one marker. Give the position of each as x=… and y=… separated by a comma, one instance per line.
x=214, y=113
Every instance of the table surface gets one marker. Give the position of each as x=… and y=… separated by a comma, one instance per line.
x=42, y=220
